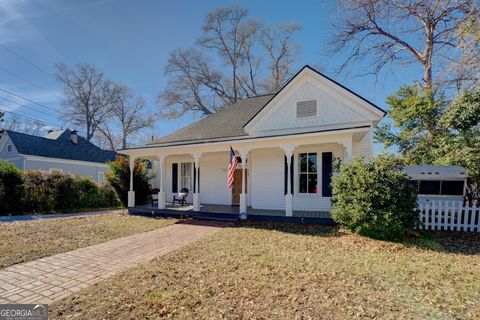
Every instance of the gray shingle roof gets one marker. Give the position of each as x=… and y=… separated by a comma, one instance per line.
x=226, y=123
x=61, y=147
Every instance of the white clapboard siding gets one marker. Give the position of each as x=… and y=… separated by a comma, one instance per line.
x=449, y=215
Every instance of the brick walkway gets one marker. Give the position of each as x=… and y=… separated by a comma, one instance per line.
x=52, y=278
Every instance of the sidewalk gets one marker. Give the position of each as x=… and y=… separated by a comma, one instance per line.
x=52, y=278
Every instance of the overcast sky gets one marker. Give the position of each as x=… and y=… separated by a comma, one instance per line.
x=130, y=41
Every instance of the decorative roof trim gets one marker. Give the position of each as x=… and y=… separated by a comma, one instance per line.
x=324, y=76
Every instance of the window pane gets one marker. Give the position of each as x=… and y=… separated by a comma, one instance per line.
x=303, y=183
x=452, y=188
x=429, y=187
x=303, y=162
x=312, y=162
x=312, y=183
x=186, y=175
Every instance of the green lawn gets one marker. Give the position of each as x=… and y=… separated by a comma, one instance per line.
x=273, y=271
x=25, y=241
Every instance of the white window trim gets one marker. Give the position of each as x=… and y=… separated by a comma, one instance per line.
x=179, y=175
x=296, y=172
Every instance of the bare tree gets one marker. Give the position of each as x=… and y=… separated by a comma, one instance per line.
x=423, y=32
x=129, y=111
x=188, y=71
x=226, y=63
x=466, y=70
x=89, y=96
x=281, y=51
x=227, y=31
x=15, y=123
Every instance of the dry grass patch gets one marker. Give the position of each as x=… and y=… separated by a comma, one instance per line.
x=26, y=241
x=272, y=271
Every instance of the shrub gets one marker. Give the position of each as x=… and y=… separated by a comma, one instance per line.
x=65, y=191
x=39, y=192
x=11, y=187
x=109, y=196
x=375, y=198
x=119, y=179
x=56, y=191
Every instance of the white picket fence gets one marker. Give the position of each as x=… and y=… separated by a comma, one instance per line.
x=449, y=215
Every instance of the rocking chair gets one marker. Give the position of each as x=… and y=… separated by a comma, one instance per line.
x=181, y=197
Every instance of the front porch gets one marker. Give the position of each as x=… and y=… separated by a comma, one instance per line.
x=226, y=212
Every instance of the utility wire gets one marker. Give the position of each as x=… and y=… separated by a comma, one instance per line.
x=25, y=59
x=30, y=118
x=30, y=82
x=30, y=107
x=20, y=112
x=26, y=99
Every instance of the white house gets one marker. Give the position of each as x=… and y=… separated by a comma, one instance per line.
x=286, y=143
x=61, y=150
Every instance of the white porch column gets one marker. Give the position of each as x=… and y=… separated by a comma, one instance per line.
x=288, y=150
x=348, y=149
x=161, y=172
x=243, y=195
x=196, y=194
x=131, y=193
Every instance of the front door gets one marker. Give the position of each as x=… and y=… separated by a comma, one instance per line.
x=237, y=186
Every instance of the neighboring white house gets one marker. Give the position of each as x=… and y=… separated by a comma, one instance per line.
x=62, y=150
x=286, y=143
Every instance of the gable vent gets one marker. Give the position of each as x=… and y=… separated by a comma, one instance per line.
x=306, y=109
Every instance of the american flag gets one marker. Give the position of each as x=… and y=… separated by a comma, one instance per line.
x=231, y=167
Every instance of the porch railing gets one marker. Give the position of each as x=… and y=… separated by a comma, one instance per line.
x=449, y=215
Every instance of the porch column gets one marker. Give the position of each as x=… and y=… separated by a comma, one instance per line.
x=161, y=172
x=131, y=193
x=243, y=195
x=348, y=149
x=288, y=150
x=196, y=194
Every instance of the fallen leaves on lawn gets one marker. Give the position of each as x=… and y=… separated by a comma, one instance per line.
x=283, y=271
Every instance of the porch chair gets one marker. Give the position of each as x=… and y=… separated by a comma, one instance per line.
x=181, y=197
x=154, y=195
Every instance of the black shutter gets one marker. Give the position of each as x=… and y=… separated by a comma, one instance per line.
x=285, y=179
x=174, y=177
x=198, y=180
x=285, y=175
x=327, y=168
x=291, y=175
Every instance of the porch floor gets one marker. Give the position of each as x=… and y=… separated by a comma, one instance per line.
x=225, y=212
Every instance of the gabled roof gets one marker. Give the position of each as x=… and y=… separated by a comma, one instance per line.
x=60, y=147
x=324, y=76
x=231, y=121
x=226, y=123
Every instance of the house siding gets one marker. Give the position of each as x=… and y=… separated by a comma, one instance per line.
x=364, y=147
x=12, y=156
x=331, y=112
x=213, y=179
x=268, y=179
x=82, y=170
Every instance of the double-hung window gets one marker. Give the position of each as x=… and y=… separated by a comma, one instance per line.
x=307, y=173
x=186, y=176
